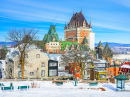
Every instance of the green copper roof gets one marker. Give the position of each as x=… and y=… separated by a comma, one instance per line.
x=64, y=43
x=106, y=46
x=100, y=44
x=84, y=47
x=51, y=34
x=121, y=77
x=85, y=40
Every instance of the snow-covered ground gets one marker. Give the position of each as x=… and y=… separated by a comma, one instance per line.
x=49, y=89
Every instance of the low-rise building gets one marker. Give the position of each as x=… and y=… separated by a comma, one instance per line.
x=98, y=69
x=35, y=66
x=125, y=69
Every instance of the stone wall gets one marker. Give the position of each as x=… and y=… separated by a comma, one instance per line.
x=32, y=64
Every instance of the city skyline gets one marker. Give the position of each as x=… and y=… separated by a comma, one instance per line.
x=110, y=19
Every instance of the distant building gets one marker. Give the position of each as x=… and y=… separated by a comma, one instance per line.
x=125, y=69
x=98, y=69
x=52, y=43
x=78, y=29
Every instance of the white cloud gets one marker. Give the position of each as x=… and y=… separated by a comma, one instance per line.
x=122, y=2
x=111, y=26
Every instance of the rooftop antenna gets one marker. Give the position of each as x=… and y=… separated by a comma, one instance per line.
x=73, y=11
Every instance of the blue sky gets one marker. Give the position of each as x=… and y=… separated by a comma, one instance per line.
x=110, y=18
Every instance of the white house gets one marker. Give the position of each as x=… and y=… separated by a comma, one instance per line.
x=2, y=68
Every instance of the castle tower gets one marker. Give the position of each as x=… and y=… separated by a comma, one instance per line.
x=78, y=28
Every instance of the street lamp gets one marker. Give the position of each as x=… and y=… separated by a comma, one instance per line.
x=75, y=77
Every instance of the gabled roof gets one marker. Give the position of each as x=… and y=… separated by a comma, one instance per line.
x=100, y=44
x=121, y=77
x=85, y=40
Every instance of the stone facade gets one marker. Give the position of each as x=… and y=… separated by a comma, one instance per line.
x=36, y=65
x=53, y=47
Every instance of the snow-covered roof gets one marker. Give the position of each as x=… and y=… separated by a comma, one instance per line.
x=54, y=56
x=125, y=66
x=100, y=61
x=15, y=51
x=64, y=74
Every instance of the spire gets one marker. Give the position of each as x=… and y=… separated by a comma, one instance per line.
x=81, y=9
x=4, y=45
x=65, y=26
x=73, y=11
x=90, y=24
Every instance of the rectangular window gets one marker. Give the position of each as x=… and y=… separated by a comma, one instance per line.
x=31, y=73
x=52, y=64
x=19, y=74
x=26, y=55
x=87, y=72
x=84, y=72
x=38, y=56
x=43, y=64
x=111, y=72
x=43, y=73
x=52, y=72
x=19, y=65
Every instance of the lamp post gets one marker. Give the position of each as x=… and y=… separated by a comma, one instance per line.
x=75, y=77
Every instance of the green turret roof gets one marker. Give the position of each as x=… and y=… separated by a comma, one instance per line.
x=100, y=44
x=121, y=77
x=51, y=34
x=85, y=40
x=84, y=47
x=106, y=46
x=4, y=45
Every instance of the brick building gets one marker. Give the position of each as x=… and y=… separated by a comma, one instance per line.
x=78, y=29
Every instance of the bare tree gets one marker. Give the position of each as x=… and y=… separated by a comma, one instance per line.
x=76, y=59
x=22, y=37
x=3, y=53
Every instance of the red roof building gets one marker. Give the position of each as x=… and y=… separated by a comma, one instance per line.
x=125, y=69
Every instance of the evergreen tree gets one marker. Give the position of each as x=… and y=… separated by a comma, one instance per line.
x=107, y=52
x=100, y=53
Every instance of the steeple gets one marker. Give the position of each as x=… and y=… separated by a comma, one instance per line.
x=65, y=26
x=4, y=45
x=81, y=9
